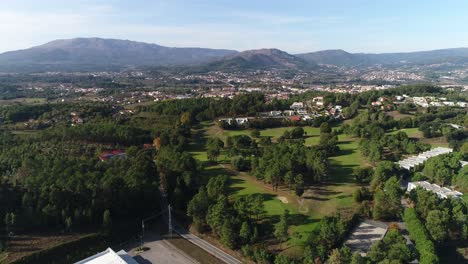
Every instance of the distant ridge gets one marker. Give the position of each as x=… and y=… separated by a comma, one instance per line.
x=343, y=58
x=112, y=54
x=98, y=52
x=260, y=59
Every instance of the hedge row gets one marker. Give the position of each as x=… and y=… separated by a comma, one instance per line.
x=419, y=235
x=68, y=252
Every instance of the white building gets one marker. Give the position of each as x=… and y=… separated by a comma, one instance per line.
x=242, y=120
x=318, y=100
x=421, y=101
x=109, y=257
x=414, y=161
x=275, y=113
x=462, y=104
x=442, y=192
x=297, y=106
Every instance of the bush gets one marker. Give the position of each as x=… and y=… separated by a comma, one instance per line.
x=419, y=235
x=362, y=194
x=240, y=163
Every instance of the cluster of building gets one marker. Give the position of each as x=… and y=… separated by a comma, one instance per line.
x=414, y=161
x=434, y=101
x=391, y=76
x=442, y=192
x=388, y=103
x=299, y=111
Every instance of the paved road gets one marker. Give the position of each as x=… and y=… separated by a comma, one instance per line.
x=213, y=250
x=161, y=251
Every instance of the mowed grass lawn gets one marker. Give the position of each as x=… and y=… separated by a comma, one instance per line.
x=416, y=134
x=312, y=134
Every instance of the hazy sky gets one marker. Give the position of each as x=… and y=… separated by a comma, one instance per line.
x=292, y=25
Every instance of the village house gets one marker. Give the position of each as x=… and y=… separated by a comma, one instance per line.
x=318, y=101
x=297, y=106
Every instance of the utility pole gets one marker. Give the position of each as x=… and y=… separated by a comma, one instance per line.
x=170, y=221
x=142, y=232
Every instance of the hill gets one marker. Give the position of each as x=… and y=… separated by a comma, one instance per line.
x=343, y=58
x=262, y=59
x=98, y=53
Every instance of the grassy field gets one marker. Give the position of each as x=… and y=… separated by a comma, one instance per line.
x=318, y=201
x=416, y=134
x=397, y=116
x=312, y=133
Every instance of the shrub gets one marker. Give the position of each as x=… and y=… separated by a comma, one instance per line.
x=419, y=235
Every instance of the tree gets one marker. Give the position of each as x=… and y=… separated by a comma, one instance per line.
x=297, y=132
x=358, y=259
x=282, y=259
x=375, y=152
x=217, y=213
x=68, y=223
x=281, y=228
x=362, y=194
x=255, y=133
x=245, y=233
x=106, y=219
x=217, y=186
x=186, y=118
x=437, y=225
x=387, y=204
x=464, y=150
x=391, y=248
x=214, y=147
x=198, y=208
x=382, y=173
x=325, y=128
x=228, y=234
x=340, y=256
x=363, y=174
x=436, y=169
x=299, y=184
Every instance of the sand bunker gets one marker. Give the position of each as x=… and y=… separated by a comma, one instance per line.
x=282, y=199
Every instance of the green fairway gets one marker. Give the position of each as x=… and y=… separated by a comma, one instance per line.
x=411, y=132
x=312, y=134
x=416, y=134
x=318, y=201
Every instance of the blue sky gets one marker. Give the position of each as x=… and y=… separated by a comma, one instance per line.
x=291, y=25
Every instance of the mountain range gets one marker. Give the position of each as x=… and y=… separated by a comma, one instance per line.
x=343, y=58
x=104, y=54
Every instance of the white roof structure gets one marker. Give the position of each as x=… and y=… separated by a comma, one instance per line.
x=297, y=105
x=442, y=192
x=109, y=257
x=366, y=234
x=414, y=161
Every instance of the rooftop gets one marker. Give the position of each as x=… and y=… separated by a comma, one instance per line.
x=109, y=257
x=442, y=192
